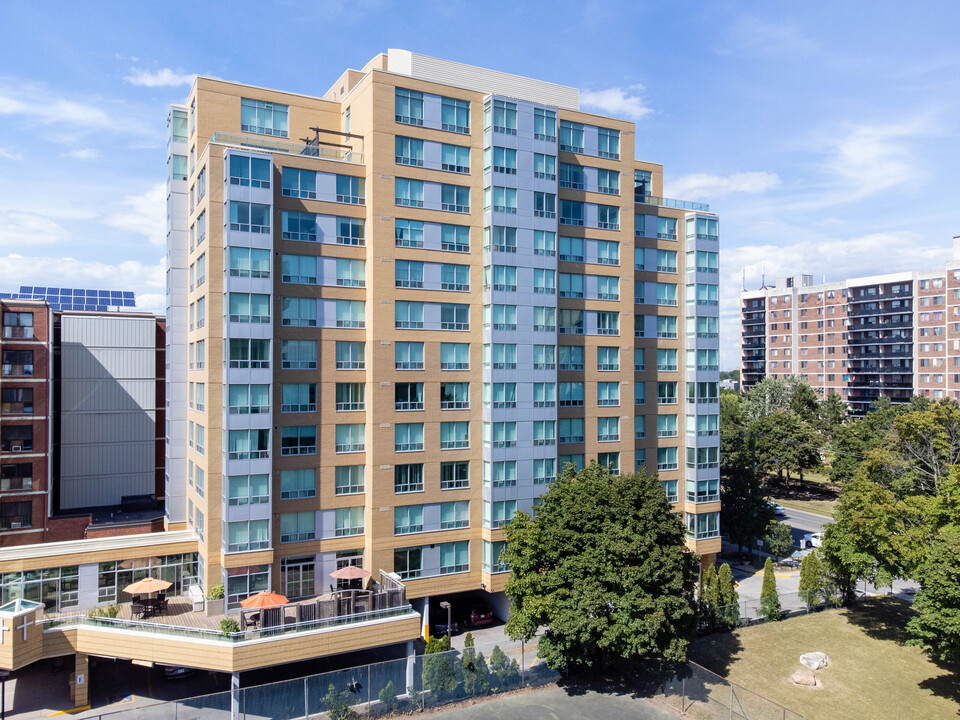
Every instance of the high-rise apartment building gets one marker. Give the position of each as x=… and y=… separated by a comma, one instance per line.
x=397, y=310
x=895, y=335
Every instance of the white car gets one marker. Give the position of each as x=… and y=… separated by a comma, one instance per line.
x=813, y=539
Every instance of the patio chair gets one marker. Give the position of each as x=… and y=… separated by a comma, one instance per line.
x=162, y=601
x=271, y=618
x=137, y=609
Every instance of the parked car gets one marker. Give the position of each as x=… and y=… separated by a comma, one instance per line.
x=480, y=615
x=813, y=539
x=778, y=510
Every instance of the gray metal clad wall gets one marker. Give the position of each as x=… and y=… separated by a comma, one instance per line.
x=482, y=80
x=108, y=409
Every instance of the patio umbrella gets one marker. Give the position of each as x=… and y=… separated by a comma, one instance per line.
x=147, y=585
x=350, y=572
x=263, y=599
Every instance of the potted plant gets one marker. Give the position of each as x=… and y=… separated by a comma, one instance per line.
x=214, y=604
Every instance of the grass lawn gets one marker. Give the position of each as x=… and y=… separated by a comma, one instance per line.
x=872, y=674
x=820, y=507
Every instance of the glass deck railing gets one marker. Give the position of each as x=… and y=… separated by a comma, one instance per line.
x=290, y=148
x=671, y=203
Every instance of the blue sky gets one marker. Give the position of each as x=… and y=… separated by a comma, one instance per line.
x=824, y=134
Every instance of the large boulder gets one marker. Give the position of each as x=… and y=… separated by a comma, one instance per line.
x=814, y=660
x=804, y=676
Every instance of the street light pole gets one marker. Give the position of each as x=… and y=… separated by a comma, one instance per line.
x=444, y=605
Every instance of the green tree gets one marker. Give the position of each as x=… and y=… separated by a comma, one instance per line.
x=729, y=615
x=779, y=539
x=804, y=403
x=505, y=672
x=388, y=698
x=769, y=599
x=709, y=598
x=439, y=668
x=833, y=413
x=936, y=626
x=787, y=439
x=811, y=580
x=337, y=704
x=603, y=566
x=476, y=674
x=768, y=397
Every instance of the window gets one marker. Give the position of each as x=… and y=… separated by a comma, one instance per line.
x=298, y=312
x=408, y=315
x=350, y=231
x=454, y=356
x=608, y=287
x=544, y=319
x=608, y=217
x=248, y=489
x=408, y=396
x=248, y=399
x=544, y=357
x=639, y=393
x=246, y=262
x=179, y=167
x=639, y=364
x=348, y=479
x=608, y=182
x=666, y=228
x=455, y=115
x=571, y=249
x=351, y=314
x=500, y=199
x=247, y=535
x=408, y=233
x=666, y=426
x=572, y=176
x=349, y=521
x=297, y=183
x=608, y=429
x=455, y=277
x=455, y=238
x=703, y=525
x=608, y=358
x=502, y=277
x=454, y=475
x=350, y=438
x=408, y=107
x=571, y=285
x=708, y=229
x=667, y=458
x=408, y=437
x=498, y=513
x=454, y=515
x=300, y=269
x=263, y=118
x=571, y=393
x=571, y=357
x=500, y=474
x=454, y=316
x=179, y=126
x=16, y=438
x=454, y=396
x=608, y=323
x=544, y=204
x=298, y=484
x=500, y=395
x=407, y=519
x=408, y=193
x=350, y=396
x=408, y=478
x=608, y=143
x=16, y=515
x=248, y=444
x=407, y=562
x=298, y=527
x=666, y=360
x=249, y=172
x=666, y=327
x=501, y=160
x=571, y=213
x=500, y=434
x=298, y=440
x=455, y=158
x=408, y=356
x=544, y=124
x=501, y=239
x=409, y=151
x=244, y=217
x=16, y=476
x=252, y=353
x=350, y=189
x=454, y=435
x=501, y=356
x=544, y=433
x=571, y=136
x=544, y=243
x=666, y=393
x=351, y=273
x=299, y=226
x=544, y=166
x=608, y=394
x=16, y=401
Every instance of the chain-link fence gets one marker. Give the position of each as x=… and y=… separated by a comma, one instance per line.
x=751, y=612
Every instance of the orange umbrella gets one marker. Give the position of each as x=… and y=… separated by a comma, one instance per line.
x=350, y=572
x=263, y=599
x=147, y=585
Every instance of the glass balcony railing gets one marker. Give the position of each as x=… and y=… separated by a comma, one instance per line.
x=288, y=147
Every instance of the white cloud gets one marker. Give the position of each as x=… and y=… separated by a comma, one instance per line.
x=19, y=229
x=165, y=77
x=835, y=258
x=702, y=185
x=147, y=281
x=753, y=36
x=145, y=214
x=616, y=101
x=82, y=154
x=10, y=154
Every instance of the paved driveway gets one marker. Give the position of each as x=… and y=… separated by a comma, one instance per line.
x=556, y=704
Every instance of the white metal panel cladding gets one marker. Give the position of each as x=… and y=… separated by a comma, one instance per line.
x=470, y=77
x=95, y=492
x=109, y=427
x=86, y=396
x=93, y=464
x=108, y=331
x=95, y=363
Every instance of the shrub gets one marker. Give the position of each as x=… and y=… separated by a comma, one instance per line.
x=388, y=698
x=505, y=670
x=216, y=592
x=229, y=625
x=337, y=703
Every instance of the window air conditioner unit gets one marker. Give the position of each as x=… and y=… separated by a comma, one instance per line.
x=16, y=448
x=15, y=524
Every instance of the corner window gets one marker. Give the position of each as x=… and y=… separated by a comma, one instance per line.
x=263, y=118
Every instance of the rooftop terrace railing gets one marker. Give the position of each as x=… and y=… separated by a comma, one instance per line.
x=670, y=203
x=288, y=147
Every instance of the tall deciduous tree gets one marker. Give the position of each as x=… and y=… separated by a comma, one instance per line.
x=936, y=627
x=604, y=568
x=780, y=539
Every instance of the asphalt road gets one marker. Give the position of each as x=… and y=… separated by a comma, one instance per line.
x=806, y=521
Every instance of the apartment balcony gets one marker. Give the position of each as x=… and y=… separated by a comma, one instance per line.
x=862, y=312
x=324, y=625
x=889, y=340
x=857, y=327
x=862, y=353
x=287, y=147
x=670, y=203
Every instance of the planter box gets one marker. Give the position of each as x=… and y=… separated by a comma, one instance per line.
x=214, y=607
